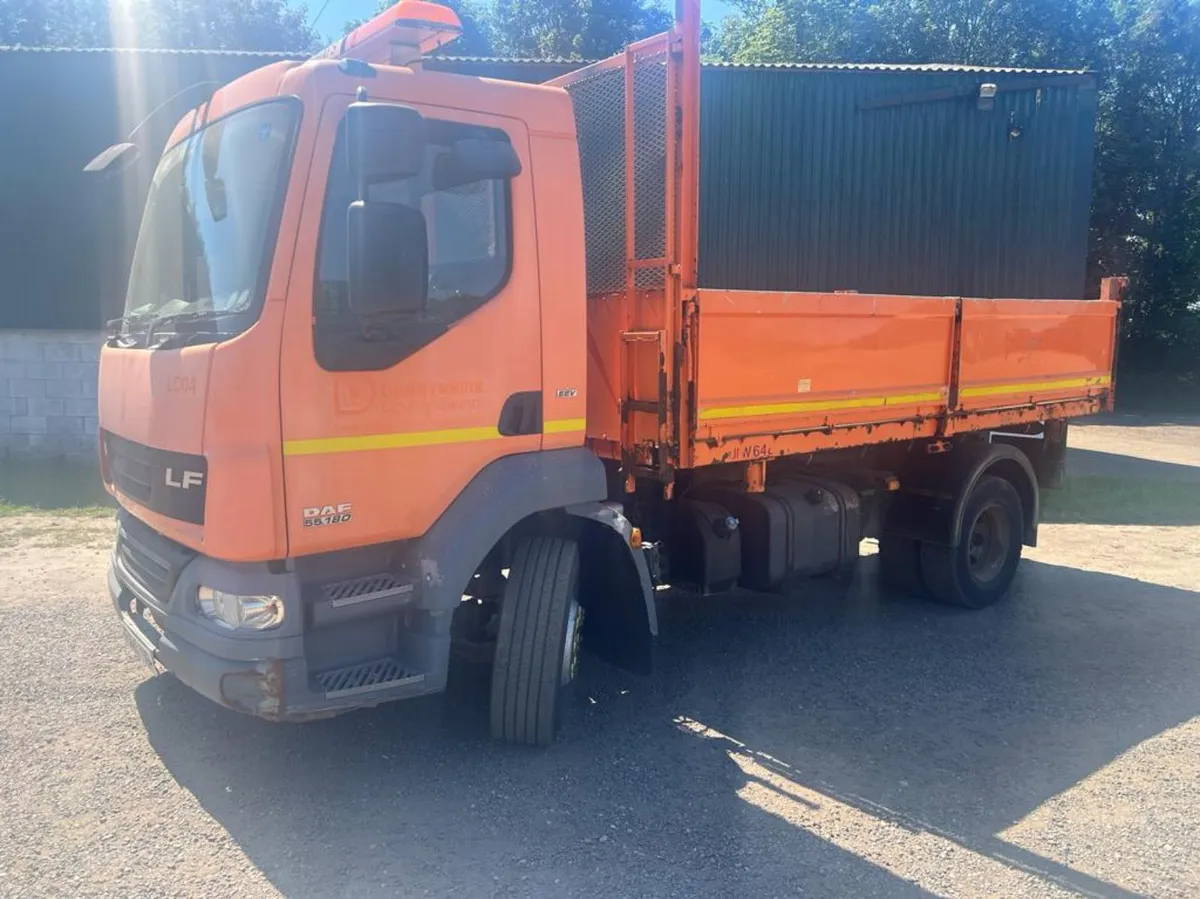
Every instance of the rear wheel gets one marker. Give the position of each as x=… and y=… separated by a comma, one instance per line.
x=537, y=647
x=978, y=571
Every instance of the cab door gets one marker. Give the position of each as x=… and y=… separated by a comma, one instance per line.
x=386, y=421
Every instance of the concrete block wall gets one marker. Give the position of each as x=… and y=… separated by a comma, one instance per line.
x=48, y=394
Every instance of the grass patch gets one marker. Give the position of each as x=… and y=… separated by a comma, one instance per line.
x=1106, y=500
x=28, y=487
x=49, y=530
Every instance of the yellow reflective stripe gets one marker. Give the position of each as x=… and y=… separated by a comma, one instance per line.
x=862, y=402
x=563, y=425
x=387, y=441
x=1035, y=386
x=320, y=445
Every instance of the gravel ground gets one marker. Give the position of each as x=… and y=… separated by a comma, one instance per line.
x=834, y=742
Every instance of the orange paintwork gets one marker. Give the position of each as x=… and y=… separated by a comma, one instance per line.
x=766, y=374
x=259, y=393
x=459, y=382
x=785, y=373
x=1031, y=341
x=759, y=374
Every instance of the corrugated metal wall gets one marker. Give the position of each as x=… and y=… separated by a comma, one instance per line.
x=68, y=237
x=531, y=71
x=801, y=188
x=895, y=181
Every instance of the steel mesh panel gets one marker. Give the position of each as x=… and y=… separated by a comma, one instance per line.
x=650, y=165
x=464, y=223
x=599, y=105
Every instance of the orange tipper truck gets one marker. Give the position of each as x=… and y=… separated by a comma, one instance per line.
x=414, y=361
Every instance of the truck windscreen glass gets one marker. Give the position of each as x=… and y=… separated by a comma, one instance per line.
x=199, y=270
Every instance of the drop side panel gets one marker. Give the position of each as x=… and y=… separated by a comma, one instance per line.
x=776, y=369
x=1021, y=351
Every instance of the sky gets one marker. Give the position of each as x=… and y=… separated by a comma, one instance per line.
x=337, y=12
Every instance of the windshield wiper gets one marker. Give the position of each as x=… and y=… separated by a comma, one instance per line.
x=176, y=318
x=117, y=329
x=175, y=341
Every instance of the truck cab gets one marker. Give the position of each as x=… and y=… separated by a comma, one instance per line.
x=256, y=410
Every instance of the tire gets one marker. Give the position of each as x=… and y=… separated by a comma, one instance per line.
x=538, y=641
x=978, y=571
x=900, y=565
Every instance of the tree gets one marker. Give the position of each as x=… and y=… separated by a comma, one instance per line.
x=983, y=32
x=574, y=29
x=1146, y=57
x=545, y=29
x=1147, y=209
x=223, y=24
x=180, y=24
x=477, y=26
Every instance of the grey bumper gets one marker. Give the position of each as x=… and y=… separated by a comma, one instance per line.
x=269, y=675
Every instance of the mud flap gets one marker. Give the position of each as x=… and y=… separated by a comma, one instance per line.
x=616, y=592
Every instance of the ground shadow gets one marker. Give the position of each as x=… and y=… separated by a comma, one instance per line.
x=1095, y=463
x=412, y=799
x=955, y=724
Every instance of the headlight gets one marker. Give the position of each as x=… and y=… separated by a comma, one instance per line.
x=253, y=613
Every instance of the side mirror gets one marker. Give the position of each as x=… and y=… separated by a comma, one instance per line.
x=385, y=142
x=388, y=255
x=113, y=160
x=475, y=159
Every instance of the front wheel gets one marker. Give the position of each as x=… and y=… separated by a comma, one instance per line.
x=537, y=647
x=978, y=571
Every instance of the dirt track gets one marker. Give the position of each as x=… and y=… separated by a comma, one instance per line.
x=830, y=743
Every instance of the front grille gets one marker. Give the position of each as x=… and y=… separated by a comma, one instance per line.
x=149, y=560
x=380, y=674
x=167, y=482
x=151, y=572
x=133, y=477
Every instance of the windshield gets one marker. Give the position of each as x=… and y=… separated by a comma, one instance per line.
x=199, y=269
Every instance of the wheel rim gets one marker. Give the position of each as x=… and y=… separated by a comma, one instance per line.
x=570, y=657
x=988, y=543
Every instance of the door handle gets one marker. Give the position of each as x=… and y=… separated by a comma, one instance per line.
x=521, y=414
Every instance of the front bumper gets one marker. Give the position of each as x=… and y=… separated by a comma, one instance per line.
x=308, y=668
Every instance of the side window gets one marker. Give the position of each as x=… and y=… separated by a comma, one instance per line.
x=470, y=256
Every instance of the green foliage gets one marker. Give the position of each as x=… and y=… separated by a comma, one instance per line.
x=543, y=29
x=477, y=36
x=581, y=29
x=1146, y=55
x=187, y=24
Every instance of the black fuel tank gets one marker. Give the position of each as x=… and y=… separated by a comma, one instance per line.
x=799, y=526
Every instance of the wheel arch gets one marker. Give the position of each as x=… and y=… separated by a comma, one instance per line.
x=553, y=493
x=935, y=490
x=620, y=622
x=1013, y=466
x=503, y=498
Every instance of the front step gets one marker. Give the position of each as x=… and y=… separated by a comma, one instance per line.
x=365, y=677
